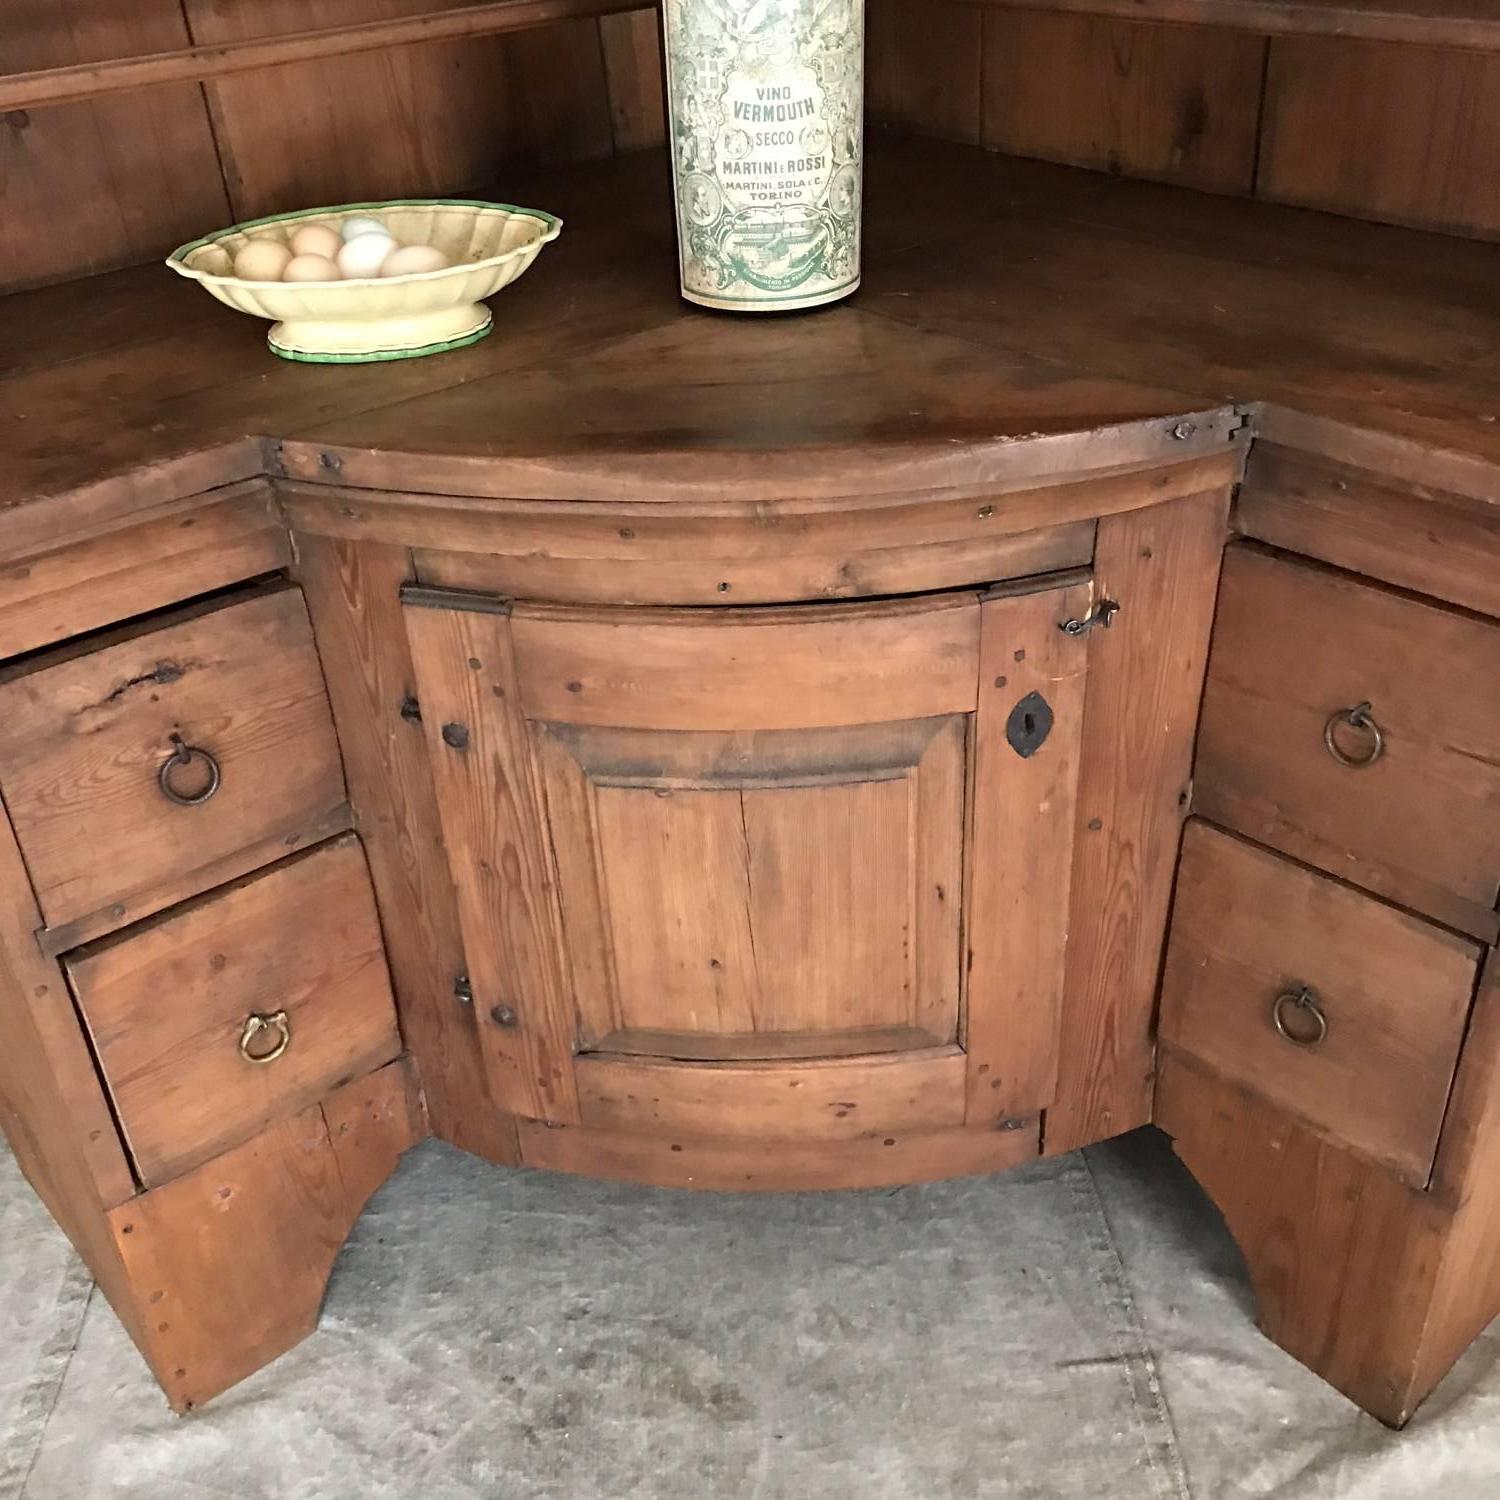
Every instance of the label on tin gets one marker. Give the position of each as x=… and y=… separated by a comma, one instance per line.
x=767, y=106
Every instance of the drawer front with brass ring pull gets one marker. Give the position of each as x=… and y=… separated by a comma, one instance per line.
x=215, y=1019
x=167, y=761
x=1357, y=729
x=1337, y=1008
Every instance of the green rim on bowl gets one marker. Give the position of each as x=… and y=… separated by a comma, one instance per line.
x=380, y=356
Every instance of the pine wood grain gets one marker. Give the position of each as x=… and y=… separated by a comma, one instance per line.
x=886, y=1160
x=137, y=68
x=764, y=550
x=82, y=738
x=1411, y=135
x=837, y=664
x=1395, y=992
x=97, y=582
x=821, y=1099
x=1466, y=1297
x=1341, y=1255
x=1421, y=825
x=52, y=1105
x=852, y=573
x=1145, y=677
x=1415, y=536
x=106, y=183
x=1173, y=102
x=301, y=939
x=633, y=71
x=227, y=1265
x=1452, y=23
x=479, y=101
x=353, y=595
x=491, y=811
x=923, y=66
x=1021, y=851
x=791, y=885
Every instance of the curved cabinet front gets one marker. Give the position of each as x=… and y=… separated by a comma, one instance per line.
x=794, y=874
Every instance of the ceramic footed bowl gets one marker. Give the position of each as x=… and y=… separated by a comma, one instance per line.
x=489, y=245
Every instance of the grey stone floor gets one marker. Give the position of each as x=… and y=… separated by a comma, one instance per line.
x=1080, y=1328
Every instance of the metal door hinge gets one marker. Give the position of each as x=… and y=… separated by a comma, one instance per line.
x=1103, y=613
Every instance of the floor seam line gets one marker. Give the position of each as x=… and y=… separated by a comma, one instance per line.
x=1131, y=1314
x=56, y=1380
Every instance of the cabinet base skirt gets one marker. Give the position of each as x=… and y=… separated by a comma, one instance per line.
x=889, y=1160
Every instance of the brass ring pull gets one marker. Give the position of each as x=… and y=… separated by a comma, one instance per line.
x=1304, y=1002
x=182, y=757
x=258, y=1025
x=1358, y=718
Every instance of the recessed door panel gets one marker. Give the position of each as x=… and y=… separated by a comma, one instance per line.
x=788, y=893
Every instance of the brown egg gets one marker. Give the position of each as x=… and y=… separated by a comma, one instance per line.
x=310, y=268
x=262, y=260
x=414, y=260
x=317, y=239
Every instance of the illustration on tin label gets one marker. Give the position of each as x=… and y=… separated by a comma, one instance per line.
x=767, y=119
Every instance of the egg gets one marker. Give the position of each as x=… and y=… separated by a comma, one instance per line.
x=261, y=260
x=413, y=260
x=365, y=254
x=310, y=268
x=316, y=239
x=360, y=224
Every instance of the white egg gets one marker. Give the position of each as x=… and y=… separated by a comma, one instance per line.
x=360, y=224
x=310, y=268
x=261, y=260
x=414, y=260
x=365, y=254
x=316, y=239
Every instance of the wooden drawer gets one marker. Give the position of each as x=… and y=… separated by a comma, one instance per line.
x=84, y=737
x=1293, y=646
x=169, y=1005
x=1249, y=927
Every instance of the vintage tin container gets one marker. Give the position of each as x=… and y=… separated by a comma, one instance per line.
x=766, y=101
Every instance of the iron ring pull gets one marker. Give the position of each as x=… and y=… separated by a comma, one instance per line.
x=1299, y=998
x=257, y=1025
x=1360, y=718
x=183, y=755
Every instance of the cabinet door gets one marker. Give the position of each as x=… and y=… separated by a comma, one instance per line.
x=782, y=873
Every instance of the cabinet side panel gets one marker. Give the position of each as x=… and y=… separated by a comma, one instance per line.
x=1468, y=1174
x=1145, y=681
x=352, y=593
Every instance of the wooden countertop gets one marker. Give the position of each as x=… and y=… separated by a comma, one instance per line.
x=1016, y=318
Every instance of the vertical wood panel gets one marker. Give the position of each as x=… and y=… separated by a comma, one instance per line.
x=491, y=810
x=1409, y=134
x=1180, y=103
x=922, y=65
x=352, y=592
x=436, y=118
x=633, y=73
x=87, y=187
x=1140, y=716
x=1022, y=852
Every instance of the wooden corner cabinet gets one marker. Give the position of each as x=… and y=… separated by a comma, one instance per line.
x=959, y=726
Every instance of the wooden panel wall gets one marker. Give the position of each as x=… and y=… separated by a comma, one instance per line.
x=88, y=186
x=91, y=186
x=1377, y=130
